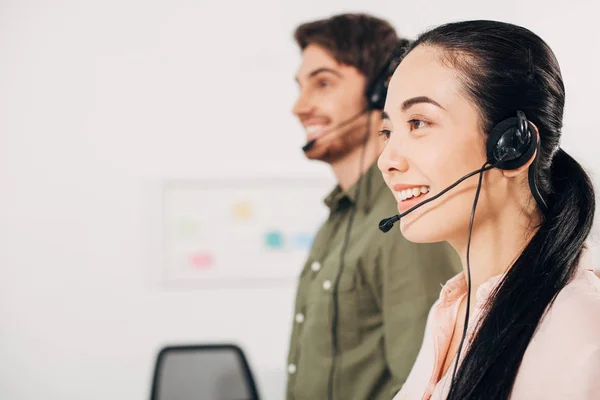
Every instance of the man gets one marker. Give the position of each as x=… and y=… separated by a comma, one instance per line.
x=363, y=296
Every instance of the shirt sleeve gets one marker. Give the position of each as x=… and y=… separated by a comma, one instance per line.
x=587, y=383
x=411, y=279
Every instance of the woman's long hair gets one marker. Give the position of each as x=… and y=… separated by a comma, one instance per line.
x=505, y=68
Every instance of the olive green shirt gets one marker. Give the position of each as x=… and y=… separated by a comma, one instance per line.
x=386, y=287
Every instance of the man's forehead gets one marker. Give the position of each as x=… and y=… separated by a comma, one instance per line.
x=315, y=59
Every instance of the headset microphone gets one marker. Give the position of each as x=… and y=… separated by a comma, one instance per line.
x=386, y=224
x=311, y=143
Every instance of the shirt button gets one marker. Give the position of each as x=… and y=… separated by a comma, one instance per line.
x=316, y=266
x=292, y=369
x=299, y=318
x=327, y=285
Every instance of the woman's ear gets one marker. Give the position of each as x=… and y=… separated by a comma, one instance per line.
x=511, y=173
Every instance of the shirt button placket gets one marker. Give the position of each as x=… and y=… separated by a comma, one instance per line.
x=315, y=266
x=291, y=369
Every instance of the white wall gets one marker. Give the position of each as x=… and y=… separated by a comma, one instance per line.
x=101, y=100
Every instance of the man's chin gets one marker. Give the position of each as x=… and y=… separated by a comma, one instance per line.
x=317, y=154
x=327, y=154
x=332, y=149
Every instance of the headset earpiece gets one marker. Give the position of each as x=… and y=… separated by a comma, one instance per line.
x=377, y=91
x=376, y=97
x=511, y=143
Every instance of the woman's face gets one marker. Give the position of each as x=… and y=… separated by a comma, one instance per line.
x=433, y=139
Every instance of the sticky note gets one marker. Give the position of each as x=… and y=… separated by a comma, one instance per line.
x=274, y=239
x=242, y=210
x=302, y=240
x=186, y=228
x=201, y=260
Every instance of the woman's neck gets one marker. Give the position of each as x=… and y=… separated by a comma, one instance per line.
x=496, y=243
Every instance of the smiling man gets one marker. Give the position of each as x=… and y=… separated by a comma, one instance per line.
x=363, y=297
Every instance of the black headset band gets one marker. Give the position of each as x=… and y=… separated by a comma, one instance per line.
x=376, y=92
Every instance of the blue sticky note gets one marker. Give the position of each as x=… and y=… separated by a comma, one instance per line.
x=303, y=241
x=274, y=239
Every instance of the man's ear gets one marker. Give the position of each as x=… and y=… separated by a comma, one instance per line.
x=511, y=173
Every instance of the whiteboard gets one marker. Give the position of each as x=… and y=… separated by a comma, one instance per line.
x=239, y=231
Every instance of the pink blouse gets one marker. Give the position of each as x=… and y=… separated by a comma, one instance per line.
x=562, y=360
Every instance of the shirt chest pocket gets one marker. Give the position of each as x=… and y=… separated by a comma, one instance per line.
x=321, y=302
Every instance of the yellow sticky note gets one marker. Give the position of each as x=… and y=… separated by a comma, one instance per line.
x=242, y=210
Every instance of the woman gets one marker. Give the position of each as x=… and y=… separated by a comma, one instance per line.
x=533, y=310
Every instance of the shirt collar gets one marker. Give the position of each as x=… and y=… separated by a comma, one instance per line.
x=457, y=286
x=371, y=184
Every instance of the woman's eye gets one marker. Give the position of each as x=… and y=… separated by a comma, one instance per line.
x=417, y=124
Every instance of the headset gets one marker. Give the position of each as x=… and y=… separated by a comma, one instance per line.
x=377, y=90
x=510, y=145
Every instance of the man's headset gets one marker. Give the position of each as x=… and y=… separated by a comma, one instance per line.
x=375, y=94
x=510, y=145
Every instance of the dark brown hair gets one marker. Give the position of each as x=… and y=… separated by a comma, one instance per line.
x=360, y=40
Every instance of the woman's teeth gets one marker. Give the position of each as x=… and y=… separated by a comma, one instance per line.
x=413, y=192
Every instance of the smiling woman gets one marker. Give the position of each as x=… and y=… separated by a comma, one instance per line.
x=475, y=93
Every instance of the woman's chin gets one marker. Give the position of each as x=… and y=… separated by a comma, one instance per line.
x=418, y=230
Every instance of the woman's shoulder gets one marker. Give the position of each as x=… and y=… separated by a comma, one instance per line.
x=581, y=296
x=575, y=313
x=562, y=360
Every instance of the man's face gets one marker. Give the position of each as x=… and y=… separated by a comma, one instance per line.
x=330, y=94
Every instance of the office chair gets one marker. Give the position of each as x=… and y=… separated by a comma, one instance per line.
x=203, y=372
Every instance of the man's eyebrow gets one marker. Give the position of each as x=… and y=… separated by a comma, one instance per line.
x=320, y=70
x=384, y=116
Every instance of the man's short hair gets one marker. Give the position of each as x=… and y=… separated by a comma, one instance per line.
x=360, y=40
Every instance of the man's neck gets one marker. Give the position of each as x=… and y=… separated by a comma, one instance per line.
x=348, y=169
